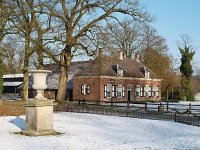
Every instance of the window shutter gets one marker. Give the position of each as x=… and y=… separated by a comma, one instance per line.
x=113, y=91
x=123, y=91
x=105, y=91
x=88, y=89
x=157, y=91
x=141, y=91
x=82, y=89
x=150, y=91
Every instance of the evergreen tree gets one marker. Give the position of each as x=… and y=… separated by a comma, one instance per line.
x=186, y=70
x=186, y=67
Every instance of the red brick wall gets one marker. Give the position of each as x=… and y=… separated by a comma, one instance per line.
x=97, y=88
x=93, y=82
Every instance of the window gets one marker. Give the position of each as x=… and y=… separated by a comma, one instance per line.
x=155, y=91
x=120, y=72
x=114, y=91
x=109, y=90
x=85, y=89
x=137, y=91
x=146, y=91
x=129, y=88
x=147, y=74
x=119, y=91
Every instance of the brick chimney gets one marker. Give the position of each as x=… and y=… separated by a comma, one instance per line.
x=121, y=55
x=137, y=57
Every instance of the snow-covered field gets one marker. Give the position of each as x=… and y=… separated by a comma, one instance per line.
x=95, y=132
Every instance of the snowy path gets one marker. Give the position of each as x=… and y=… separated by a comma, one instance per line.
x=95, y=132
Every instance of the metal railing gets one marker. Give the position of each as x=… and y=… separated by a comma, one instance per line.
x=182, y=117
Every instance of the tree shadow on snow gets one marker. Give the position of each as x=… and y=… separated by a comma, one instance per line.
x=19, y=122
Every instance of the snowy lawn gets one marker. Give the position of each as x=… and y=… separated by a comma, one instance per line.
x=96, y=132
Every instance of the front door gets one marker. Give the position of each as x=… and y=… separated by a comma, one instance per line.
x=129, y=96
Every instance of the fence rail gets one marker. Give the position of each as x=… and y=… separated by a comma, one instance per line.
x=185, y=118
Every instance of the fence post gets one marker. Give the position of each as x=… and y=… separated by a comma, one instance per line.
x=189, y=108
x=161, y=108
x=175, y=117
x=145, y=106
x=128, y=104
x=167, y=107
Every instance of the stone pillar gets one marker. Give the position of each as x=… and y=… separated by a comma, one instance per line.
x=39, y=118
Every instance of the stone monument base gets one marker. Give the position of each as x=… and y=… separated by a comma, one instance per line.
x=39, y=118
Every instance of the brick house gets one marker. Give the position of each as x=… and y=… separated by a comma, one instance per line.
x=107, y=79
x=116, y=79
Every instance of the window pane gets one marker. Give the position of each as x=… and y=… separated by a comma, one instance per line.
x=137, y=91
x=119, y=91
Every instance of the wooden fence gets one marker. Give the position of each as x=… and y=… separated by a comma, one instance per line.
x=185, y=117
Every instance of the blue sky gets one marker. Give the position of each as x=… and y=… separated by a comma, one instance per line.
x=174, y=18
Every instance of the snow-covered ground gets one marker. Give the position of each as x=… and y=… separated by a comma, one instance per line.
x=96, y=132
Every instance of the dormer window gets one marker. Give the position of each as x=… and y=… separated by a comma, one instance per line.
x=146, y=73
x=118, y=70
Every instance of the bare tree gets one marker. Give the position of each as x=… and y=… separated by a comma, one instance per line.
x=22, y=22
x=12, y=56
x=6, y=9
x=42, y=26
x=78, y=18
x=126, y=36
x=154, y=52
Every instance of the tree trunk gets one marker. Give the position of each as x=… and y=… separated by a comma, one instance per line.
x=25, y=69
x=2, y=21
x=40, y=50
x=65, y=61
x=1, y=77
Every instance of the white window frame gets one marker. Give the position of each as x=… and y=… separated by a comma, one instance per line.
x=146, y=91
x=155, y=91
x=137, y=91
x=108, y=91
x=85, y=89
x=119, y=91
